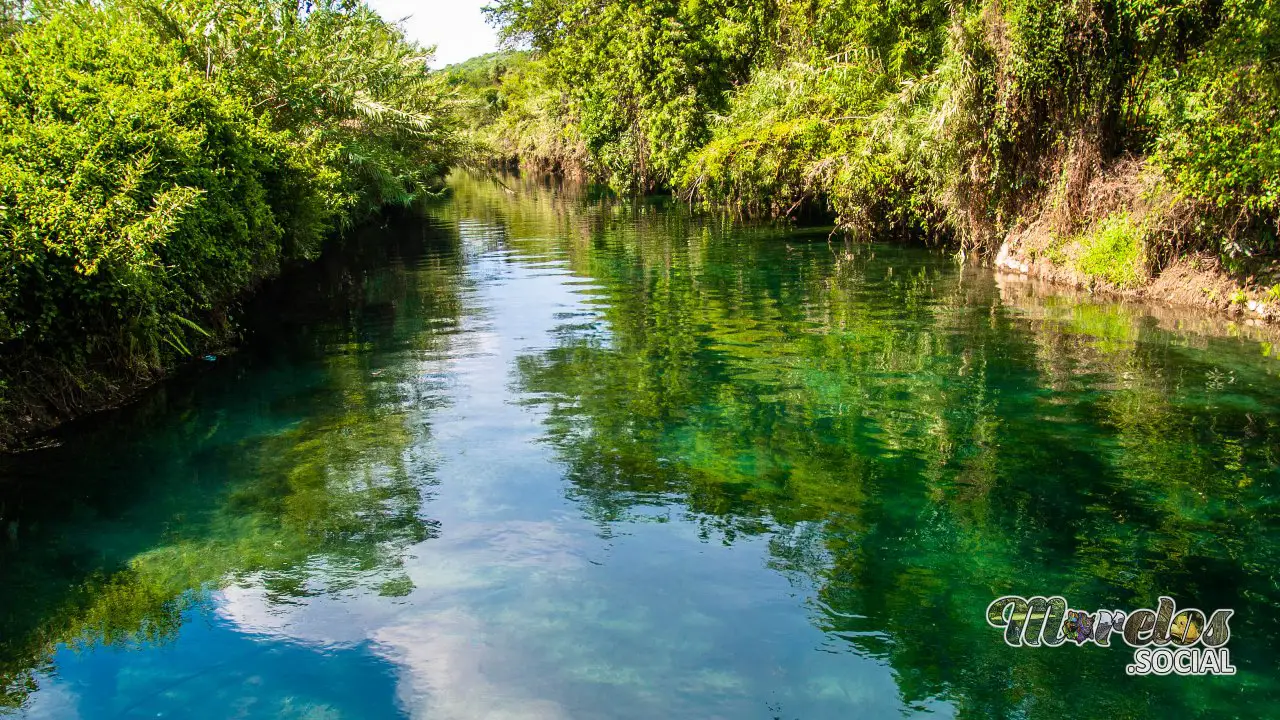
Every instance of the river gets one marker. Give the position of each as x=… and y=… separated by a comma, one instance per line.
x=547, y=454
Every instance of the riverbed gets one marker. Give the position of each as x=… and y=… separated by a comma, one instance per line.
x=546, y=453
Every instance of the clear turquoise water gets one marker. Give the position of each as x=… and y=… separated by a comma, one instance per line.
x=550, y=455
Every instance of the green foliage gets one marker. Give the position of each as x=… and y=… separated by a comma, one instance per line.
x=517, y=115
x=640, y=79
x=1220, y=124
x=1113, y=252
x=158, y=160
x=931, y=119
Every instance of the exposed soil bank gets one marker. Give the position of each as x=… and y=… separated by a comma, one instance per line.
x=1196, y=281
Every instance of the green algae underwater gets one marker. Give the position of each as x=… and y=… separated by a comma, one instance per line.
x=545, y=453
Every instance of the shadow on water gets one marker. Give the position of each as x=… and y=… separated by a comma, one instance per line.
x=289, y=462
x=901, y=439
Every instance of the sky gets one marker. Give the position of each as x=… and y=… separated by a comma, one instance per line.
x=456, y=27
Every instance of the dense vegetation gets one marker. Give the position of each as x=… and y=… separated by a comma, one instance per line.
x=158, y=159
x=1111, y=137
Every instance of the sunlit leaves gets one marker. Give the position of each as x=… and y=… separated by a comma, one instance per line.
x=159, y=159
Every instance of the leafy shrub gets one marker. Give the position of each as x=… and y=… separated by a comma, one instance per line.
x=132, y=193
x=156, y=161
x=1219, y=121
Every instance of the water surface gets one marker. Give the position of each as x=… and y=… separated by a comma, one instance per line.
x=544, y=454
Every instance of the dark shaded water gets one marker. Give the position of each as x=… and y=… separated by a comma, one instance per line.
x=543, y=455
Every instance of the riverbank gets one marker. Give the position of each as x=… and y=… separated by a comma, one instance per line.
x=1121, y=229
x=1176, y=302
x=151, y=177
x=37, y=404
x=48, y=398
x=1125, y=147
x=1196, y=281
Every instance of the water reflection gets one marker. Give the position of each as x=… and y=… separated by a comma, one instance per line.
x=914, y=444
x=291, y=469
x=548, y=454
